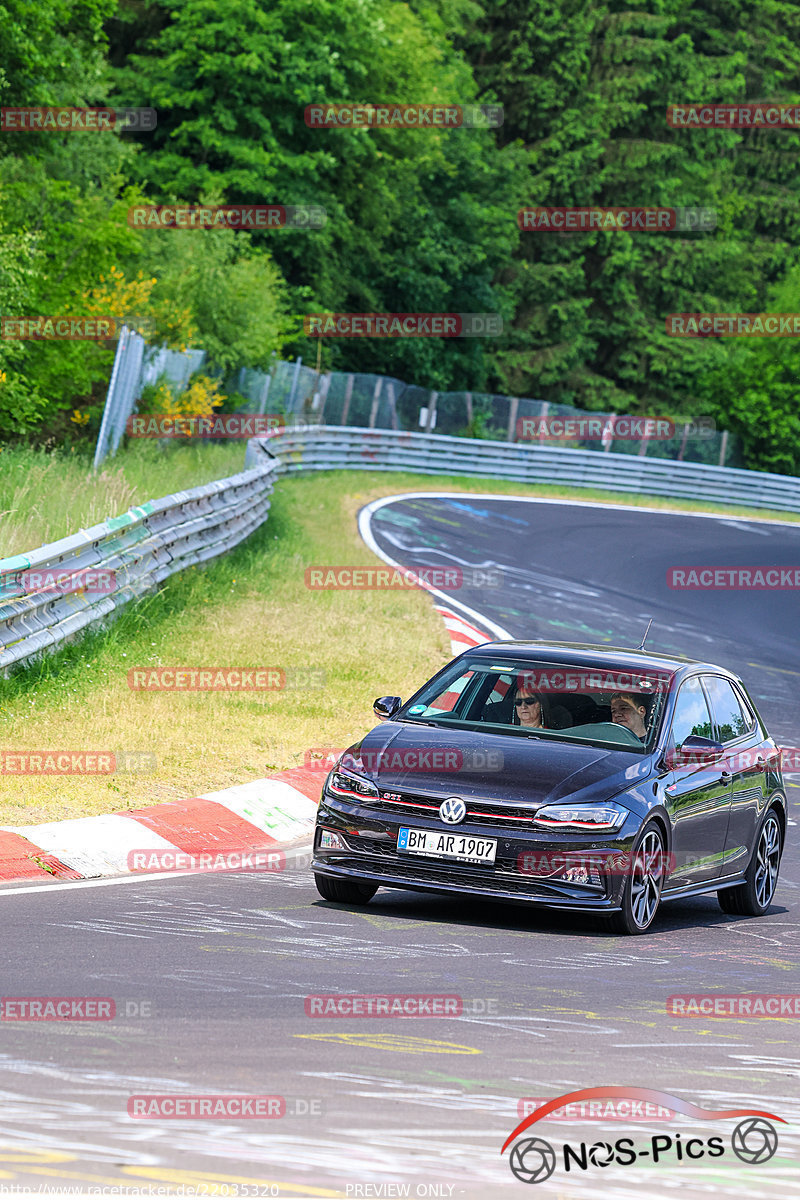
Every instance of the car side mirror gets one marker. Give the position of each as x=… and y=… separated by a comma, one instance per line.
x=386, y=706
x=697, y=750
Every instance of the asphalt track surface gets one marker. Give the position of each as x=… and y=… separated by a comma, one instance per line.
x=421, y=1107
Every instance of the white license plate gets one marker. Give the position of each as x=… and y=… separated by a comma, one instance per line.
x=459, y=846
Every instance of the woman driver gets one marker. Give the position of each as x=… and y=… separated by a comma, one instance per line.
x=528, y=707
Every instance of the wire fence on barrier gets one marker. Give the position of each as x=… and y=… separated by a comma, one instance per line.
x=297, y=394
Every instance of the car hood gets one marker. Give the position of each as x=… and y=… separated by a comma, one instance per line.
x=427, y=761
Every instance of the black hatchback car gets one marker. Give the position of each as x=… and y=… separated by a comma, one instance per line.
x=569, y=776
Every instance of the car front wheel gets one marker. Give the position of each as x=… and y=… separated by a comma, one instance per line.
x=344, y=891
x=753, y=897
x=641, y=895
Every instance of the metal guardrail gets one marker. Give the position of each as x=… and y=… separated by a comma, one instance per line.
x=141, y=548
x=330, y=448
x=156, y=539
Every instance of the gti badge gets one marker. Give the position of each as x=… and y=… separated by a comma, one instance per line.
x=453, y=810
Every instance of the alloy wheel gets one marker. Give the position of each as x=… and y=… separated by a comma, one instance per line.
x=768, y=857
x=647, y=878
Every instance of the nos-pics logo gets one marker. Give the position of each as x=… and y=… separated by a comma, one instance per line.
x=533, y=1160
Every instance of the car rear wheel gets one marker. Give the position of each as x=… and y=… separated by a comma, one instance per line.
x=344, y=891
x=753, y=897
x=641, y=895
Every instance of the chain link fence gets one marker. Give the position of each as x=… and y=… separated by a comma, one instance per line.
x=297, y=394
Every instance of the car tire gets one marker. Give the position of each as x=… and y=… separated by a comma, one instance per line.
x=753, y=897
x=344, y=891
x=641, y=895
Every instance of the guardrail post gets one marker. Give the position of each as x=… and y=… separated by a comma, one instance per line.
x=431, y=421
x=607, y=438
x=723, y=450
x=542, y=415
x=267, y=384
x=295, y=380
x=105, y=423
x=324, y=385
x=373, y=412
x=468, y=398
x=392, y=406
x=512, y=419
x=348, y=392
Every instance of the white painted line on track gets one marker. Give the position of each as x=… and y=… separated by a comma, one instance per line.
x=669, y=512
x=365, y=529
x=57, y=886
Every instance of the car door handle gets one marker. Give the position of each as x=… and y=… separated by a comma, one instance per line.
x=761, y=762
x=725, y=777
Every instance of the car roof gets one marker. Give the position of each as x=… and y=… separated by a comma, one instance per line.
x=592, y=655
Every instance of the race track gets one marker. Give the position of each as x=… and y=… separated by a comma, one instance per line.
x=213, y=971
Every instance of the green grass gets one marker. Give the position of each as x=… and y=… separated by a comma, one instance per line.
x=46, y=496
x=248, y=609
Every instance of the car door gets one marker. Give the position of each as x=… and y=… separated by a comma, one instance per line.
x=746, y=760
x=698, y=796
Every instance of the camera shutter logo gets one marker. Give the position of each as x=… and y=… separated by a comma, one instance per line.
x=754, y=1140
x=533, y=1160
x=453, y=810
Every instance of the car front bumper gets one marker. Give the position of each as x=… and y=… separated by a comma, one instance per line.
x=530, y=867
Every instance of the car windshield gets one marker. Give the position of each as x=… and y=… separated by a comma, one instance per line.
x=614, y=706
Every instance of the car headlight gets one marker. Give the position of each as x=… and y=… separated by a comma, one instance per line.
x=351, y=786
x=593, y=818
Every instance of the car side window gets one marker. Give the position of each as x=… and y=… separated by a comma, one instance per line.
x=747, y=711
x=730, y=720
x=691, y=714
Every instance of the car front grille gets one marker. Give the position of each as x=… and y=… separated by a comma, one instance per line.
x=483, y=813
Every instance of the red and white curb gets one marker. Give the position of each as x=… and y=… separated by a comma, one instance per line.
x=273, y=813
x=463, y=635
x=266, y=814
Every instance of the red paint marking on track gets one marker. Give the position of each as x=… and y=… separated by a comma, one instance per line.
x=304, y=779
x=201, y=826
x=16, y=860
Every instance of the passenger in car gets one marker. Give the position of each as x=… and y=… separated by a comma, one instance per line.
x=628, y=710
x=528, y=709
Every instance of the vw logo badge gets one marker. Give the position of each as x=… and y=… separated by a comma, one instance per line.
x=453, y=810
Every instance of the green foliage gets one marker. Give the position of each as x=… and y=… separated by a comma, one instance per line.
x=418, y=220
